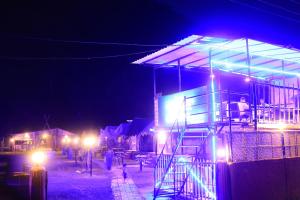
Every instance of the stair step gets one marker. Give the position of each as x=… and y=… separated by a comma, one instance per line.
x=194, y=136
x=189, y=146
x=197, y=126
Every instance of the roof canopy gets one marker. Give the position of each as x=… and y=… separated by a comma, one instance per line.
x=266, y=60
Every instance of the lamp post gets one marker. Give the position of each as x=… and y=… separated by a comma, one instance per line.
x=76, y=141
x=38, y=176
x=12, y=143
x=65, y=141
x=89, y=142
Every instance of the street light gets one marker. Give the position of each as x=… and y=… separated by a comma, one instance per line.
x=39, y=178
x=27, y=136
x=65, y=141
x=45, y=136
x=76, y=141
x=12, y=146
x=162, y=136
x=89, y=142
x=38, y=158
x=12, y=140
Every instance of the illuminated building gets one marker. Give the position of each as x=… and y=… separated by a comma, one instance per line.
x=248, y=110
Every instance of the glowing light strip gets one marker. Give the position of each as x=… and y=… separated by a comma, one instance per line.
x=240, y=49
x=213, y=100
x=194, y=175
x=229, y=65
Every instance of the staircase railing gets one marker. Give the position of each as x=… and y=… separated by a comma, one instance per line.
x=158, y=183
x=192, y=165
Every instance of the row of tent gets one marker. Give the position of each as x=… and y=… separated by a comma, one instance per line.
x=136, y=134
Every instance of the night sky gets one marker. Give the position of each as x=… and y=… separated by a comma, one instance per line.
x=45, y=71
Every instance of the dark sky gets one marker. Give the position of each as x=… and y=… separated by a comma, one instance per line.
x=42, y=75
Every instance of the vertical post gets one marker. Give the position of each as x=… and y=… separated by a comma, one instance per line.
x=179, y=76
x=249, y=75
x=212, y=125
x=185, y=113
x=154, y=103
x=282, y=144
x=279, y=99
x=39, y=182
x=298, y=100
x=154, y=82
x=91, y=163
x=284, y=93
x=255, y=106
x=230, y=129
x=212, y=99
x=248, y=57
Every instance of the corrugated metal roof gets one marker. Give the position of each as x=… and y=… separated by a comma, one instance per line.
x=266, y=60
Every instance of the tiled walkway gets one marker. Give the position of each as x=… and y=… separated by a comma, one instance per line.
x=124, y=190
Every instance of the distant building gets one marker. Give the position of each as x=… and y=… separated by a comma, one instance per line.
x=48, y=139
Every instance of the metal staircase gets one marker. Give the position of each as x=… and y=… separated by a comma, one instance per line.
x=184, y=170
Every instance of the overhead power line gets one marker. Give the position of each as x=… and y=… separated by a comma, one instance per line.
x=279, y=7
x=96, y=42
x=295, y=2
x=263, y=10
x=76, y=58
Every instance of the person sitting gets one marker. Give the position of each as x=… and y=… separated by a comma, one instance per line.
x=243, y=108
x=262, y=112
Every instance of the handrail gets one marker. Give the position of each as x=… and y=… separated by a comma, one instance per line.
x=168, y=166
x=162, y=151
x=174, y=152
x=193, y=164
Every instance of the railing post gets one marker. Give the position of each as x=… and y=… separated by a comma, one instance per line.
x=174, y=178
x=255, y=106
x=230, y=133
x=185, y=113
x=39, y=182
x=283, y=145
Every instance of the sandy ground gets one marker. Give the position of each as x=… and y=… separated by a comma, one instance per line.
x=66, y=182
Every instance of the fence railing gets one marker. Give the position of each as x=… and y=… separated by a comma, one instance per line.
x=249, y=146
x=264, y=104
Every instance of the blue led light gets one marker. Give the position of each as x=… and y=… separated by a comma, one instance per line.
x=230, y=65
x=213, y=99
x=194, y=175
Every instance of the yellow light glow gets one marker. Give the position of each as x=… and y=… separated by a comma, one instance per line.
x=12, y=140
x=66, y=140
x=89, y=141
x=162, y=136
x=27, y=136
x=119, y=139
x=222, y=154
x=38, y=158
x=45, y=135
x=76, y=140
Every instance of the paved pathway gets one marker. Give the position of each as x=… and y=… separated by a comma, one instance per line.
x=124, y=190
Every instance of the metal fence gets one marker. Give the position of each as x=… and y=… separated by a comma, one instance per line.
x=251, y=146
x=188, y=177
x=263, y=104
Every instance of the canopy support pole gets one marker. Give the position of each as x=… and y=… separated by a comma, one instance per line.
x=154, y=82
x=179, y=76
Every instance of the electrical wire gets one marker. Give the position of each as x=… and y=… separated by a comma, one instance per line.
x=279, y=7
x=77, y=58
x=265, y=11
x=295, y=2
x=95, y=42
